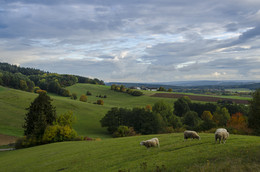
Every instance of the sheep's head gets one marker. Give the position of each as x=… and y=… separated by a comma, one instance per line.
x=142, y=142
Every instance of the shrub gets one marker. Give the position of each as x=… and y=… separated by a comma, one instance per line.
x=36, y=89
x=40, y=91
x=169, y=129
x=137, y=93
x=100, y=102
x=25, y=142
x=83, y=98
x=74, y=96
x=123, y=131
x=57, y=133
x=88, y=138
x=89, y=93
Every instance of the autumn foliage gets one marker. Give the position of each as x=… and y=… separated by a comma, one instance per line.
x=238, y=124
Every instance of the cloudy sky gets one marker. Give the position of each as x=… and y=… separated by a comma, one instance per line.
x=134, y=40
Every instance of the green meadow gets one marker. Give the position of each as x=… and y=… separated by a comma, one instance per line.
x=14, y=103
x=240, y=153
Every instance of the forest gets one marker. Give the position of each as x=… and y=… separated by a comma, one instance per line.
x=31, y=80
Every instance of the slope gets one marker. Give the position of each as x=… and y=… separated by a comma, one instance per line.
x=13, y=105
x=240, y=153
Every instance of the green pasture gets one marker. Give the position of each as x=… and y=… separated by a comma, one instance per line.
x=13, y=105
x=240, y=153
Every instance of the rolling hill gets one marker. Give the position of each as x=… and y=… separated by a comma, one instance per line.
x=14, y=104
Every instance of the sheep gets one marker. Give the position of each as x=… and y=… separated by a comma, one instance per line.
x=151, y=143
x=191, y=134
x=221, y=129
x=222, y=135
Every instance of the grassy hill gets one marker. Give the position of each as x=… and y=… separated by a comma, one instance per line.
x=13, y=105
x=240, y=153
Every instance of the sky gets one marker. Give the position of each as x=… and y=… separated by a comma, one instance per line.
x=134, y=40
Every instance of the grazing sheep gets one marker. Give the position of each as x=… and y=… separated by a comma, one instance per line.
x=222, y=135
x=151, y=143
x=191, y=134
x=221, y=129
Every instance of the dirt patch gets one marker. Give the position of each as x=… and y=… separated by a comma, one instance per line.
x=199, y=98
x=5, y=139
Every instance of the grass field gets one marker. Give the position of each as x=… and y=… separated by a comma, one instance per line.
x=13, y=105
x=240, y=153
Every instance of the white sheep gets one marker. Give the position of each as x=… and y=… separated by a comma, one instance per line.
x=222, y=135
x=151, y=143
x=191, y=134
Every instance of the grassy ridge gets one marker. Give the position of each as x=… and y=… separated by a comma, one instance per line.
x=242, y=153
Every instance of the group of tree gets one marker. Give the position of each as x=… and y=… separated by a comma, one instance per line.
x=27, y=78
x=162, y=117
x=123, y=89
x=42, y=125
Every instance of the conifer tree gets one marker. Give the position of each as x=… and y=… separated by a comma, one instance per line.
x=40, y=114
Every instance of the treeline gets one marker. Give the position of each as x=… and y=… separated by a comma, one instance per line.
x=30, y=79
x=123, y=89
x=163, y=117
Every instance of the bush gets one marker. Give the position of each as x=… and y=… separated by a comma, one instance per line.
x=100, y=102
x=57, y=133
x=137, y=93
x=89, y=93
x=74, y=96
x=83, y=98
x=25, y=142
x=123, y=131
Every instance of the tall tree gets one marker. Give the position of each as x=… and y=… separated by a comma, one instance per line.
x=181, y=106
x=254, y=112
x=40, y=114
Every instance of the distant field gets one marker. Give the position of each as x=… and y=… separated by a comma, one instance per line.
x=240, y=153
x=240, y=90
x=199, y=97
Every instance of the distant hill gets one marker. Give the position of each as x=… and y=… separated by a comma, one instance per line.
x=205, y=84
x=209, y=83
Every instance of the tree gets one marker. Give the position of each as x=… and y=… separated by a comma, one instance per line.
x=23, y=85
x=238, y=123
x=83, y=98
x=191, y=119
x=164, y=109
x=40, y=114
x=170, y=90
x=206, y=115
x=161, y=89
x=254, y=112
x=181, y=106
x=208, y=122
x=114, y=118
x=221, y=116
